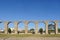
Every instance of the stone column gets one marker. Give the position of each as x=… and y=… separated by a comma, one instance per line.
x=26, y=26
x=46, y=24
x=56, y=27
x=6, y=27
x=36, y=27
x=16, y=27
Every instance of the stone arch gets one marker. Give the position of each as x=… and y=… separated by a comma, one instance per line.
x=41, y=24
x=31, y=26
x=1, y=27
x=11, y=26
x=59, y=27
x=51, y=27
x=21, y=27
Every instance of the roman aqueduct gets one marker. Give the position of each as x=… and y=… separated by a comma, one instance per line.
x=26, y=26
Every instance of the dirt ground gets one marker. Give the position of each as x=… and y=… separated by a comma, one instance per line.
x=32, y=38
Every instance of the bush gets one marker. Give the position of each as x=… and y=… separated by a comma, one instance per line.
x=41, y=30
x=9, y=30
x=33, y=32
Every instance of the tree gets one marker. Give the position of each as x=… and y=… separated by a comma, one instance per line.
x=58, y=29
x=9, y=30
x=32, y=31
x=51, y=28
x=41, y=30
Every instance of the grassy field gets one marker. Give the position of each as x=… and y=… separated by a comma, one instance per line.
x=28, y=35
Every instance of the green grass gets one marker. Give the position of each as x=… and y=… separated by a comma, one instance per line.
x=28, y=35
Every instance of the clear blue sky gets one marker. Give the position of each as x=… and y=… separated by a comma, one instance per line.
x=29, y=10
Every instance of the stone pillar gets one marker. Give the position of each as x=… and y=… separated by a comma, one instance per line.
x=16, y=27
x=26, y=26
x=56, y=27
x=6, y=27
x=46, y=24
x=36, y=27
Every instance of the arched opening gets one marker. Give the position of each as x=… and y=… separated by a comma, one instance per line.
x=51, y=27
x=59, y=27
x=2, y=27
x=21, y=28
x=41, y=28
x=31, y=27
x=11, y=28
